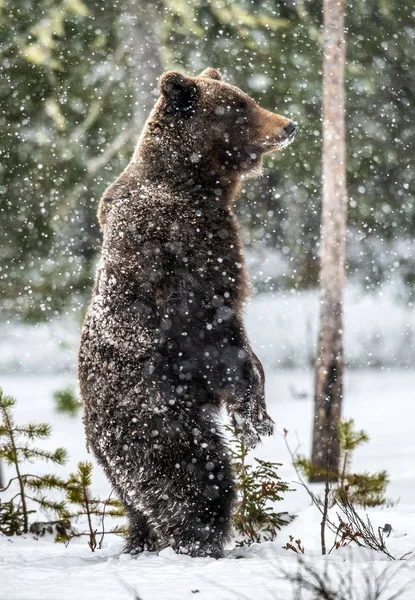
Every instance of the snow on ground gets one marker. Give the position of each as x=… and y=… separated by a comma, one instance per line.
x=381, y=401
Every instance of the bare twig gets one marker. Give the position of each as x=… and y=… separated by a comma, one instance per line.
x=364, y=527
x=292, y=453
x=87, y=534
x=103, y=520
x=324, y=514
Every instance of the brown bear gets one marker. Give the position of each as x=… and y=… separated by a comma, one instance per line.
x=163, y=345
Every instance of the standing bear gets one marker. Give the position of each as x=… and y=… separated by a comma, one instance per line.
x=163, y=345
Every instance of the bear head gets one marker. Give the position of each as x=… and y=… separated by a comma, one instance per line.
x=203, y=135
x=219, y=123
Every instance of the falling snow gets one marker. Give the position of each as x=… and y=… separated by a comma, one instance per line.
x=173, y=305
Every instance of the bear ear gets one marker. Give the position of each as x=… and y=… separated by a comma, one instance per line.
x=180, y=91
x=211, y=74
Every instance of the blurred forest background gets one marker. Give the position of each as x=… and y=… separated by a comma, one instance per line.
x=80, y=76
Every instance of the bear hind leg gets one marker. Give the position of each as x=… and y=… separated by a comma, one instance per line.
x=193, y=514
x=203, y=526
x=140, y=536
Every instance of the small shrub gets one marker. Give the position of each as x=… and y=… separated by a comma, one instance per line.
x=361, y=530
x=79, y=495
x=350, y=527
x=16, y=448
x=365, y=489
x=60, y=527
x=258, y=487
x=11, y=519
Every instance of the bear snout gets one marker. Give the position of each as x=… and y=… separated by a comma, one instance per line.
x=291, y=129
x=275, y=131
x=289, y=134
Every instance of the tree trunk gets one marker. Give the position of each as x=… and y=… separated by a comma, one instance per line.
x=329, y=363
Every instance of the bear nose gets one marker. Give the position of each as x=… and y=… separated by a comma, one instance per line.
x=291, y=128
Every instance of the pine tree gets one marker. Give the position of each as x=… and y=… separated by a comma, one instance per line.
x=79, y=494
x=16, y=448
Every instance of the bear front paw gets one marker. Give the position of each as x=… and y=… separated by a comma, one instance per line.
x=249, y=437
x=265, y=426
x=245, y=431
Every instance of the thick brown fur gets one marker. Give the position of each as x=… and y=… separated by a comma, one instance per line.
x=163, y=344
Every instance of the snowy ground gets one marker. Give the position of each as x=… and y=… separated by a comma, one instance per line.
x=381, y=401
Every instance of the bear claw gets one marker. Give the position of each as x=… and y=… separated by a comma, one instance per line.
x=265, y=426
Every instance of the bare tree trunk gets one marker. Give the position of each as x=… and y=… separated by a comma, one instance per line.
x=330, y=363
